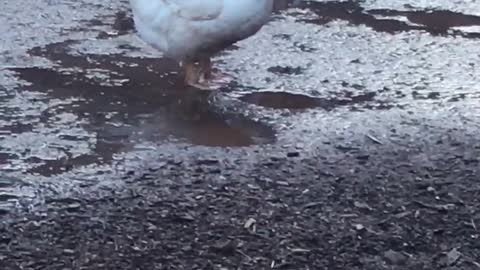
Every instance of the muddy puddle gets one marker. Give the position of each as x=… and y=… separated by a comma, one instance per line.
x=124, y=101
x=297, y=102
x=435, y=22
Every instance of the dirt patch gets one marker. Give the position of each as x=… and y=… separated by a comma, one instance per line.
x=126, y=100
x=393, y=192
x=370, y=210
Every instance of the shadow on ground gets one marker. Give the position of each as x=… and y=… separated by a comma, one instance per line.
x=409, y=203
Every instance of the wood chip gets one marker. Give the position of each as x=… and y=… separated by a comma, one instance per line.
x=395, y=257
x=374, y=139
x=362, y=205
x=300, y=250
x=453, y=256
x=250, y=224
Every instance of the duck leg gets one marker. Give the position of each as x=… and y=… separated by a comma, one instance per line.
x=195, y=76
x=211, y=75
x=192, y=76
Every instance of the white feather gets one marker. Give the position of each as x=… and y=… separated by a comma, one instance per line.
x=185, y=28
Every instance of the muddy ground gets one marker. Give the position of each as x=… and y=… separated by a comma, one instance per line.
x=348, y=140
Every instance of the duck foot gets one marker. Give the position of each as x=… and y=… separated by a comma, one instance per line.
x=205, y=85
x=201, y=77
x=212, y=74
x=219, y=77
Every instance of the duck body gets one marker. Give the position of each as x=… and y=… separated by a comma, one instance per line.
x=192, y=31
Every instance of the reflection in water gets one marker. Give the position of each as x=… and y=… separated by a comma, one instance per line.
x=127, y=100
x=283, y=100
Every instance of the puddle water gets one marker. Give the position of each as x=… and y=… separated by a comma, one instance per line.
x=436, y=22
x=281, y=100
x=123, y=101
x=290, y=101
x=435, y=19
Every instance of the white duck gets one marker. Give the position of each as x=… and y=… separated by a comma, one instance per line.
x=192, y=31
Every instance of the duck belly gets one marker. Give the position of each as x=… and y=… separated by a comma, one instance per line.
x=150, y=35
x=180, y=37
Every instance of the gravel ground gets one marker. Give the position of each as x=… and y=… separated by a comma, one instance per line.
x=354, y=146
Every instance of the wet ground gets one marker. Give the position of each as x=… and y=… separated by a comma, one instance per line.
x=354, y=146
